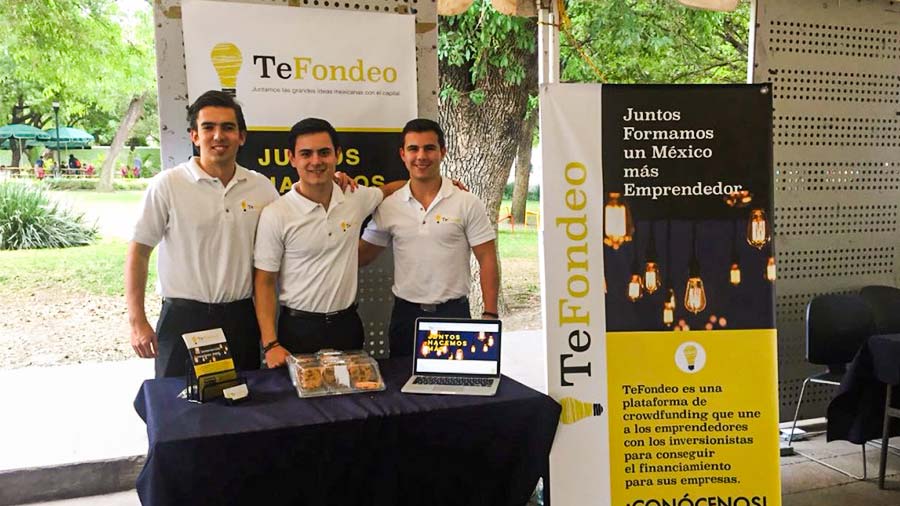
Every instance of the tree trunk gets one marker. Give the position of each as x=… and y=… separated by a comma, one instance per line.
x=135, y=108
x=523, y=167
x=15, y=146
x=482, y=138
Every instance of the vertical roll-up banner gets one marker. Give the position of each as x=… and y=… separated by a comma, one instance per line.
x=658, y=276
x=355, y=69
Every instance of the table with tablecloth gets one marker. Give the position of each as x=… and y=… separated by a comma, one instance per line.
x=856, y=413
x=370, y=448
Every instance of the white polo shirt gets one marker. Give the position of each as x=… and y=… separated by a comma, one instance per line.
x=315, y=251
x=204, y=230
x=431, y=246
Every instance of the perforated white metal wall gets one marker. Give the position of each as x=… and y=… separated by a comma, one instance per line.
x=835, y=70
x=375, y=296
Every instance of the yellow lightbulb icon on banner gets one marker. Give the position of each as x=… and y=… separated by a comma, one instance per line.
x=226, y=59
x=574, y=410
x=690, y=355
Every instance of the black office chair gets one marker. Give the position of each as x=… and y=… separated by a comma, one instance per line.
x=836, y=326
x=884, y=301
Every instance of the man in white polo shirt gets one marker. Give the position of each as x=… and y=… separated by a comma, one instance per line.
x=432, y=227
x=307, y=243
x=203, y=215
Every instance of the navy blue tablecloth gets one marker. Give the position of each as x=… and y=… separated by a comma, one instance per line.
x=373, y=448
x=856, y=413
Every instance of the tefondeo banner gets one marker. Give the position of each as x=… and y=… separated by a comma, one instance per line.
x=355, y=69
x=658, y=274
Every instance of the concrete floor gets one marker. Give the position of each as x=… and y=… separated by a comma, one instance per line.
x=808, y=483
x=804, y=482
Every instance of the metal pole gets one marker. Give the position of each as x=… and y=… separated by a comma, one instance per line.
x=58, y=160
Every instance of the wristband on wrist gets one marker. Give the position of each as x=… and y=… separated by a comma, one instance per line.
x=488, y=313
x=271, y=345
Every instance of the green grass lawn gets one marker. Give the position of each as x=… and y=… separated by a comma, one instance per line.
x=105, y=198
x=99, y=268
x=96, y=269
x=523, y=242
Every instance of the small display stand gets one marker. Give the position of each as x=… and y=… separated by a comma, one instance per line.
x=331, y=372
x=212, y=387
x=210, y=366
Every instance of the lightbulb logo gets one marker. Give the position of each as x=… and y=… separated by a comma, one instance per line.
x=690, y=357
x=226, y=59
x=574, y=410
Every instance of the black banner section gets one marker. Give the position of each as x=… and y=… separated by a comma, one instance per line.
x=688, y=200
x=372, y=158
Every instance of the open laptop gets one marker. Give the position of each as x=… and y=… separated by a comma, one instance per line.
x=455, y=356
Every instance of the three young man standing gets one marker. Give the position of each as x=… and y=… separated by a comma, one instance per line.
x=226, y=241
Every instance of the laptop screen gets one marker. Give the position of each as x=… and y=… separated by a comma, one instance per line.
x=457, y=347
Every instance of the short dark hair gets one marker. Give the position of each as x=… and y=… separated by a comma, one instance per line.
x=312, y=126
x=215, y=98
x=420, y=125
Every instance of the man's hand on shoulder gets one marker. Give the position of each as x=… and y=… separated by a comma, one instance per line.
x=343, y=180
x=459, y=184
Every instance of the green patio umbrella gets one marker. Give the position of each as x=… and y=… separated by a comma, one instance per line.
x=20, y=131
x=25, y=135
x=69, y=138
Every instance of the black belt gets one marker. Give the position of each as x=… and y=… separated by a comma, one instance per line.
x=208, y=306
x=431, y=308
x=328, y=317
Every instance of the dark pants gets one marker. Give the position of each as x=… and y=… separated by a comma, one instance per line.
x=403, y=321
x=180, y=316
x=310, y=332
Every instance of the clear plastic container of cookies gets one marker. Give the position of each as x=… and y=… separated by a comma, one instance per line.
x=334, y=373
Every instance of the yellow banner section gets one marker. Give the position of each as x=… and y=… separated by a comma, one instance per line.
x=693, y=415
x=214, y=366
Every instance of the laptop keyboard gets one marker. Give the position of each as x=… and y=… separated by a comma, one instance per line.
x=449, y=380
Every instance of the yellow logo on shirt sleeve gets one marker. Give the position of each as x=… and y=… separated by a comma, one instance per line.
x=246, y=206
x=345, y=226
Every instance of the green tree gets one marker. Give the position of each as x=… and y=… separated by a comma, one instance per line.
x=488, y=68
x=654, y=41
x=84, y=54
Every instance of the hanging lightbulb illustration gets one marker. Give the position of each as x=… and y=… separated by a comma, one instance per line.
x=617, y=225
x=690, y=355
x=574, y=410
x=668, y=313
x=669, y=309
x=226, y=59
x=694, y=293
x=459, y=354
x=651, y=279
x=770, y=269
x=759, y=231
x=634, y=287
x=636, y=282
x=734, y=274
